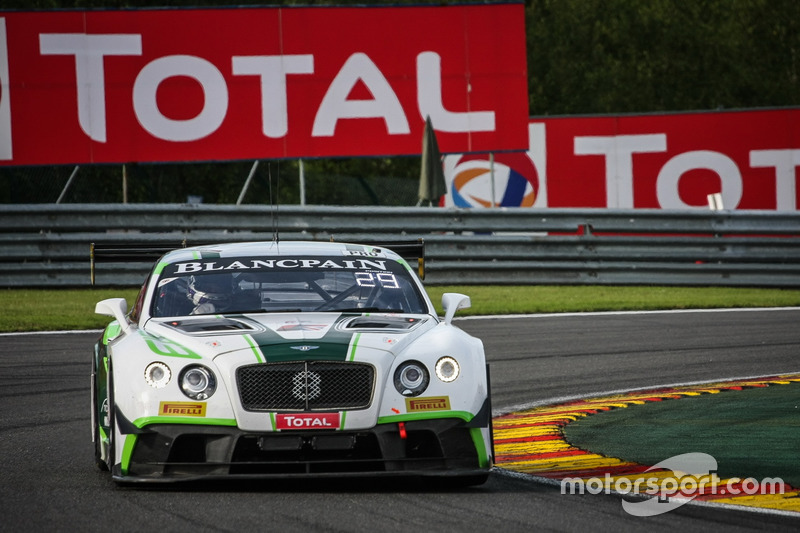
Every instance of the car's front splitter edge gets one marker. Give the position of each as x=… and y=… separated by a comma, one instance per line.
x=438, y=447
x=453, y=474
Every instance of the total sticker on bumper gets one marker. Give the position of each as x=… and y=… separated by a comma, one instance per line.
x=307, y=421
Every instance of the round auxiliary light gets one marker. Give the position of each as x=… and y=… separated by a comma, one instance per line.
x=411, y=378
x=197, y=382
x=157, y=375
x=447, y=369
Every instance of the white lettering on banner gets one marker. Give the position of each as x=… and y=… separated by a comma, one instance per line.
x=307, y=422
x=184, y=268
x=618, y=151
x=256, y=264
x=237, y=265
x=784, y=162
x=722, y=165
x=206, y=122
x=90, y=52
x=272, y=71
x=429, y=100
x=335, y=104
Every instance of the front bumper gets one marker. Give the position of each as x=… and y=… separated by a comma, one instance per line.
x=175, y=452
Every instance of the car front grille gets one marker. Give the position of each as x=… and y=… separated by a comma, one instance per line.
x=305, y=386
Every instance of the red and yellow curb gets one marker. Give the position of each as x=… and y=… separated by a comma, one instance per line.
x=533, y=442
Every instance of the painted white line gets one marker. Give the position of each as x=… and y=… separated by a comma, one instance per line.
x=494, y=317
x=651, y=312
x=65, y=332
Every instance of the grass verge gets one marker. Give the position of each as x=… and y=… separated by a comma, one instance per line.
x=70, y=309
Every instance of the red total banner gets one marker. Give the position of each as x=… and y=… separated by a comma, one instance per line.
x=249, y=83
x=750, y=158
x=674, y=161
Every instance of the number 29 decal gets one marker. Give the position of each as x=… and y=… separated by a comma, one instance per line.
x=387, y=280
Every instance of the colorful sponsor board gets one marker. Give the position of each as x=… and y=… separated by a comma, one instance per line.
x=156, y=85
x=667, y=161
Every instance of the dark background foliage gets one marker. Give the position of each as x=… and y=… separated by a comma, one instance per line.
x=584, y=57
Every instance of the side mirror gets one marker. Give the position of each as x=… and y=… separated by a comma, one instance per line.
x=452, y=302
x=115, y=307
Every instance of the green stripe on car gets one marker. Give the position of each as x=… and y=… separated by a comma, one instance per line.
x=167, y=348
x=254, y=347
x=335, y=345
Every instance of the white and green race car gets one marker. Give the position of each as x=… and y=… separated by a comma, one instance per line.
x=288, y=359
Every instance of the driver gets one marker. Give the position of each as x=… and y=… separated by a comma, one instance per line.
x=211, y=293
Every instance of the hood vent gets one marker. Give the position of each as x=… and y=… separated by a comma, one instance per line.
x=208, y=326
x=383, y=322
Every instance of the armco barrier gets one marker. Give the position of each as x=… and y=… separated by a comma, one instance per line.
x=47, y=245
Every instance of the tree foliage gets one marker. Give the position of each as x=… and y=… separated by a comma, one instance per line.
x=616, y=56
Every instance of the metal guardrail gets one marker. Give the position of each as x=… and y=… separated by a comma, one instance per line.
x=47, y=245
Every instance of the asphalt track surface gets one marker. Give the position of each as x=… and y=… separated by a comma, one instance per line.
x=48, y=481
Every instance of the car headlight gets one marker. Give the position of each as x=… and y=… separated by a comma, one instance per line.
x=157, y=375
x=411, y=378
x=197, y=382
x=447, y=369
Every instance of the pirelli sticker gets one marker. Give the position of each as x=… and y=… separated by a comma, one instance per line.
x=197, y=409
x=431, y=403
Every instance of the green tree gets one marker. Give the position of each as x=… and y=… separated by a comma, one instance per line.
x=617, y=56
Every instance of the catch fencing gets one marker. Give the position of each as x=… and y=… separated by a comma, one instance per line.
x=48, y=245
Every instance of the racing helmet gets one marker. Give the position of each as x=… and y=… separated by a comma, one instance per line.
x=216, y=289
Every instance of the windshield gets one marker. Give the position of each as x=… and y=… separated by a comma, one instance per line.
x=296, y=284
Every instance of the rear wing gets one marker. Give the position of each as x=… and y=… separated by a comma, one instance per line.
x=137, y=252
x=148, y=253
x=410, y=251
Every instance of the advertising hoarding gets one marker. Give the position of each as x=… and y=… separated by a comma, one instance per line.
x=248, y=83
x=667, y=161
